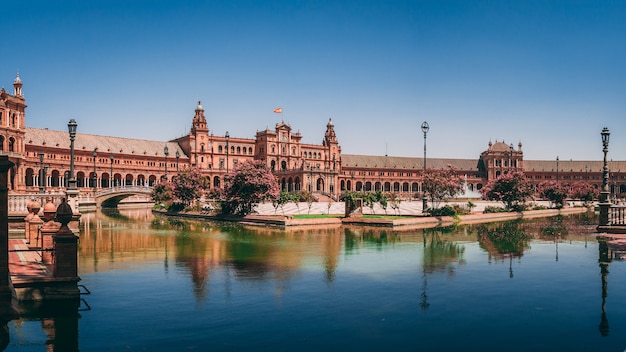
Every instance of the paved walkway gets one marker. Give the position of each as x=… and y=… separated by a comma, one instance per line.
x=24, y=265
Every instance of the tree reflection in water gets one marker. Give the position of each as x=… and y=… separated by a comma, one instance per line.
x=440, y=256
x=505, y=240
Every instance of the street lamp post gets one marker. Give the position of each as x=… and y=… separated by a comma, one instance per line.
x=166, y=151
x=227, y=136
x=177, y=157
x=425, y=129
x=71, y=191
x=604, y=195
x=41, y=172
x=511, y=150
x=557, y=168
x=95, y=175
x=111, y=178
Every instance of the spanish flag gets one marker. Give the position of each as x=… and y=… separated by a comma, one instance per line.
x=278, y=110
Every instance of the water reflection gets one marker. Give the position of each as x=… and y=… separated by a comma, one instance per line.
x=440, y=255
x=234, y=273
x=58, y=321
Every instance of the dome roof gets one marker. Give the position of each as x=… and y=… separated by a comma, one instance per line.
x=501, y=147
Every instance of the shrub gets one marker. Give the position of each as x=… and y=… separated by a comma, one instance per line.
x=443, y=211
x=491, y=209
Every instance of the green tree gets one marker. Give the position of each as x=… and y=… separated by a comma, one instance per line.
x=512, y=189
x=249, y=183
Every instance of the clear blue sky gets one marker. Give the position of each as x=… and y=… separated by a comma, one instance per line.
x=550, y=74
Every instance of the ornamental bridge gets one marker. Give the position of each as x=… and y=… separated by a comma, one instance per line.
x=110, y=197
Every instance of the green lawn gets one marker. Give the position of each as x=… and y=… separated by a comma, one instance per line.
x=386, y=217
x=316, y=216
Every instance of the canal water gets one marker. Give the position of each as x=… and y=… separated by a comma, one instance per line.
x=165, y=285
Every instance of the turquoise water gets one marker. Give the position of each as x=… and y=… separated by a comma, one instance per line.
x=158, y=285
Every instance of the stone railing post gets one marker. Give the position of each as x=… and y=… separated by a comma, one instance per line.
x=65, y=246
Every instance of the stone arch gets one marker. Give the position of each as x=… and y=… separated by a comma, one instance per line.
x=216, y=182
x=28, y=179
x=128, y=182
x=297, y=184
x=320, y=185
x=342, y=185
x=396, y=186
x=141, y=180
x=1, y=143
x=80, y=179
x=405, y=187
x=11, y=144
x=55, y=177
x=151, y=180
x=414, y=187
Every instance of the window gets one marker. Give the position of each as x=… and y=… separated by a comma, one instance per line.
x=219, y=149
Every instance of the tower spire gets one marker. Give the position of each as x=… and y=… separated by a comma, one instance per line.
x=17, y=85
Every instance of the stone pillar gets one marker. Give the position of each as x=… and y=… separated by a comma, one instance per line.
x=34, y=237
x=33, y=208
x=48, y=231
x=8, y=310
x=65, y=246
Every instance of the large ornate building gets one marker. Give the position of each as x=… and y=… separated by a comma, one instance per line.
x=42, y=159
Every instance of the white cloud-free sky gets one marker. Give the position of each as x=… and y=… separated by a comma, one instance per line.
x=550, y=74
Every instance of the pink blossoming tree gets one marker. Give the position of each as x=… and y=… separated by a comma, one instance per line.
x=249, y=183
x=512, y=188
x=440, y=184
x=554, y=192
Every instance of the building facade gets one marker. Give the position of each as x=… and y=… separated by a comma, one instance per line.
x=42, y=159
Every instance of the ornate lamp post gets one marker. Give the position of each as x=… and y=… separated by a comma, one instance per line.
x=227, y=136
x=95, y=176
x=604, y=195
x=71, y=190
x=511, y=149
x=557, y=168
x=166, y=151
x=71, y=126
x=425, y=129
x=41, y=180
x=112, y=179
x=177, y=157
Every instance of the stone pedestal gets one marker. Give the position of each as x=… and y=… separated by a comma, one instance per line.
x=34, y=237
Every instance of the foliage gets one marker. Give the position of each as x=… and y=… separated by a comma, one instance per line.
x=470, y=205
x=512, y=189
x=394, y=201
x=508, y=238
x=308, y=198
x=284, y=197
x=162, y=193
x=249, y=183
x=553, y=191
x=189, y=186
x=490, y=209
x=215, y=193
x=584, y=191
x=440, y=184
x=443, y=211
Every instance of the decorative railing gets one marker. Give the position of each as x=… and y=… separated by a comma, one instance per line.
x=18, y=202
x=134, y=189
x=617, y=215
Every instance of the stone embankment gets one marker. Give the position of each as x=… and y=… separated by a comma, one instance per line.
x=410, y=217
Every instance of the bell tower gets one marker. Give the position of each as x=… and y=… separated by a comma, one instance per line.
x=199, y=137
